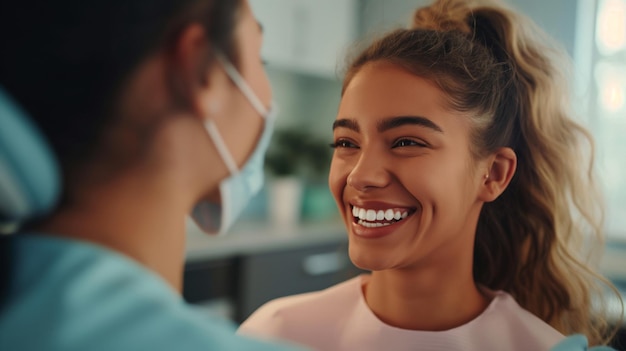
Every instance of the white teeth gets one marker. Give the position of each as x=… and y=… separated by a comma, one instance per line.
x=373, y=218
x=372, y=225
x=389, y=215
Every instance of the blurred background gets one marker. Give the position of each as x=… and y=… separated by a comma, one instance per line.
x=290, y=239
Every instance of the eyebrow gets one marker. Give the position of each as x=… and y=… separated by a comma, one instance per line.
x=395, y=122
x=346, y=123
x=390, y=123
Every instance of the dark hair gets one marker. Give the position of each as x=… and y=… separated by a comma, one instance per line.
x=65, y=62
x=509, y=84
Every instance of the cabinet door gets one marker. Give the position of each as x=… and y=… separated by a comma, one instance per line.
x=267, y=276
x=305, y=35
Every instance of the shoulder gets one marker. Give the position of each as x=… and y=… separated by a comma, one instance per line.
x=323, y=307
x=524, y=328
x=58, y=282
x=179, y=327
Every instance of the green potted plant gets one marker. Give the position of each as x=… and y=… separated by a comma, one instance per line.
x=295, y=158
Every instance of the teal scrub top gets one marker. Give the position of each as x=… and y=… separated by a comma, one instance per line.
x=70, y=295
x=578, y=342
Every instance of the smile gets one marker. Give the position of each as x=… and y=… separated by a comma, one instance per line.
x=371, y=218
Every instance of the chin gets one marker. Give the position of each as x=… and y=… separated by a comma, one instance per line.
x=367, y=260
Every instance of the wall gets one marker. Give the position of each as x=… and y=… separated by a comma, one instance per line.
x=305, y=101
x=556, y=17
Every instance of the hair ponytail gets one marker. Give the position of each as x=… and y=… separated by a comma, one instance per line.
x=554, y=184
x=496, y=65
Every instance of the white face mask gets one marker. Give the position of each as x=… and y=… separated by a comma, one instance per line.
x=237, y=189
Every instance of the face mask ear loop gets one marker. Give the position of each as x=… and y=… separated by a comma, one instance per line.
x=221, y=147
x=242, y=85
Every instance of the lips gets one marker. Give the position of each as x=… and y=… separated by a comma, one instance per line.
x=380, y=217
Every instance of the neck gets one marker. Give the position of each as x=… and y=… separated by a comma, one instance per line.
x=130, y=216
x=425, y=299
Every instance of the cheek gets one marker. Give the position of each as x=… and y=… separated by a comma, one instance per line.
x=435, y=181
x=255, y=75
x=337, y=178
x=261, y=84
x=250, y=65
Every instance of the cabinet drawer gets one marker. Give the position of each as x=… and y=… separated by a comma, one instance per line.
x=209, y=280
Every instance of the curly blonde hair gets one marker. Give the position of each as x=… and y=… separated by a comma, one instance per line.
x=534, y=241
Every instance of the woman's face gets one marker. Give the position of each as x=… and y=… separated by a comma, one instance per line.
x=239, y=123
x=402, y=173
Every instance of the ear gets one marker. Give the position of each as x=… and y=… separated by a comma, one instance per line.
x=195, y=76
x=500, y=170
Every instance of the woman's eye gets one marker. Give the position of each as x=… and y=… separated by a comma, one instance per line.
x=408, y=142
x=342, y=144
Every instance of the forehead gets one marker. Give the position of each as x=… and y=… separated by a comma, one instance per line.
x=381, y=89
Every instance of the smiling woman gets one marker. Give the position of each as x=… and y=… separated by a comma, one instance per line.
x=465, y=187
x=418, y=168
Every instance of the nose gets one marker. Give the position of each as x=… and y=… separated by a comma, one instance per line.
x=369, y=173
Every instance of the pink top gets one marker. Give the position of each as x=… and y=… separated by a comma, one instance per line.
x=338, y=318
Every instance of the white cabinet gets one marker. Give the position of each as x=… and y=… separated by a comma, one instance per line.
x=307, y=36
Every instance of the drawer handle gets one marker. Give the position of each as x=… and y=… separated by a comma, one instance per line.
x=324, y=263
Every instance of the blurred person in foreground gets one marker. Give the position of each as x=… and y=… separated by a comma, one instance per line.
x=153, y=110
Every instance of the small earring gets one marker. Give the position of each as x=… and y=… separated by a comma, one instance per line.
x=486, y=176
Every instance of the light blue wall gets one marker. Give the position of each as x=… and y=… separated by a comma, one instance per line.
x=305, y=101
x=556, y=17
x=379, y=16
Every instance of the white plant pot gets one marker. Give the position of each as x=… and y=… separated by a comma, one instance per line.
x=285, y=201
